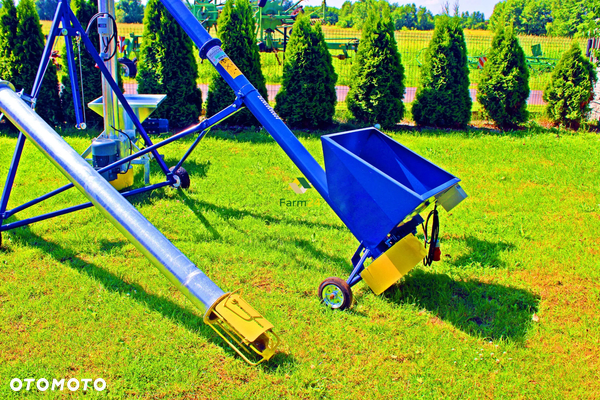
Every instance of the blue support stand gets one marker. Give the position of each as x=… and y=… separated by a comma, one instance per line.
x=66, y=24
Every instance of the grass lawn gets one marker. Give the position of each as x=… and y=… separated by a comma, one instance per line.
x=511, y=311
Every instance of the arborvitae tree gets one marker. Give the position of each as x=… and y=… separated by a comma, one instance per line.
x=167, y=65
x=443, y=97
x=130, y=11
x=377, y=86
x=46, y=9
x=237, y=32
x=149, y=74
x=8, y=33
x=307, y=97
x=84, y=10
x=571, y=89
x=504, y=88
x=28, y=53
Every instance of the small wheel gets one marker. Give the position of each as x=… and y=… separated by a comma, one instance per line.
x=335, y=293
x=183, y=178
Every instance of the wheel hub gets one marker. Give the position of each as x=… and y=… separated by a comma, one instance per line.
x=333, y=296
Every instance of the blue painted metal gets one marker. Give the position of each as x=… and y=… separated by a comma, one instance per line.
x=61, y=15
x=33, y=202
x=355, y=277
x=372, y=182
x=189, y=151
x=251, y=98
x=180, y=270
x=126, y=107
x=10, y=179
x=376, y=182
x=73, y=28
x=215, y=119
x=58, y=213
x=79, y=117
x=204, y=125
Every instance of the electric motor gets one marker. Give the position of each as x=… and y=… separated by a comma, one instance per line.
x=105, y=152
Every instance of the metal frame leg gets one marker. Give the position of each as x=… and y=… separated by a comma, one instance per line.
x=358, y=262
x=12, y=172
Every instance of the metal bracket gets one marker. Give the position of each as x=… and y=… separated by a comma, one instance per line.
x=243, y=328
x=27, y=98
x=245, y=91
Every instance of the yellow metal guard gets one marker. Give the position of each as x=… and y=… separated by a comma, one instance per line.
x=394, y=264
x=242, y=327
x=123, y=180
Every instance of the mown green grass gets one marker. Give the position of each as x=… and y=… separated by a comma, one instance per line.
x=77, y=300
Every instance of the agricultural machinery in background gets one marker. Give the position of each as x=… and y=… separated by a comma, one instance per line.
x=592, y=49
x=129, y=49
x=273, y=28
x=537, y=62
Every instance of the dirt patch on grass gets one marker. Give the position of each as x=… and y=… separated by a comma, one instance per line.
x=278, y=173
x=558, y=290
x=568, y=315
x=263, y=280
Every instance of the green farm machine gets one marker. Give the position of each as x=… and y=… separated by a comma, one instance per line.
x=273, y=27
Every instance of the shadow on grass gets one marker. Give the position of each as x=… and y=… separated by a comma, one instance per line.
x=194, y=169
x=198, y=213
x=477, y=308
x=227, y=213
x=179, y=315
x=261, y=136
x=304, y=246
x=91, y=132
x=482, y=252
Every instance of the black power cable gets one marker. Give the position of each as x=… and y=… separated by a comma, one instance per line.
x=105, y=43
x=130, y=147
x=432, y=240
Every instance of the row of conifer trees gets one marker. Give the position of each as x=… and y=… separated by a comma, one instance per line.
x=307, y=98
x=21, y=48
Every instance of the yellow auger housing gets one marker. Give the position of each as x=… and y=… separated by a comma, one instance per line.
x=243, y=328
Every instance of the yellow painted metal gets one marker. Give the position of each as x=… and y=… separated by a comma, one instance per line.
x=123, y=180
x=243, y=328
x=230, y=67
x=394, y=264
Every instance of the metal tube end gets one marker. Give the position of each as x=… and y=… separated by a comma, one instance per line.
x=7, y=84
x=243, y=328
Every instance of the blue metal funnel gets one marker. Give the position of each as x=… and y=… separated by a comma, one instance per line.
x=374, y=182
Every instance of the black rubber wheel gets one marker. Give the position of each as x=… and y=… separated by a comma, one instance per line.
x=184, y=178
x=335, y=293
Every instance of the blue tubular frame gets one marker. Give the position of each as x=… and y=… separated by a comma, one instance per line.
x=68, y=210
x=61, y=16
x=204, y=126
x=10, y=179
x=358, y=262
x=265, y=114
x=65, y=15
